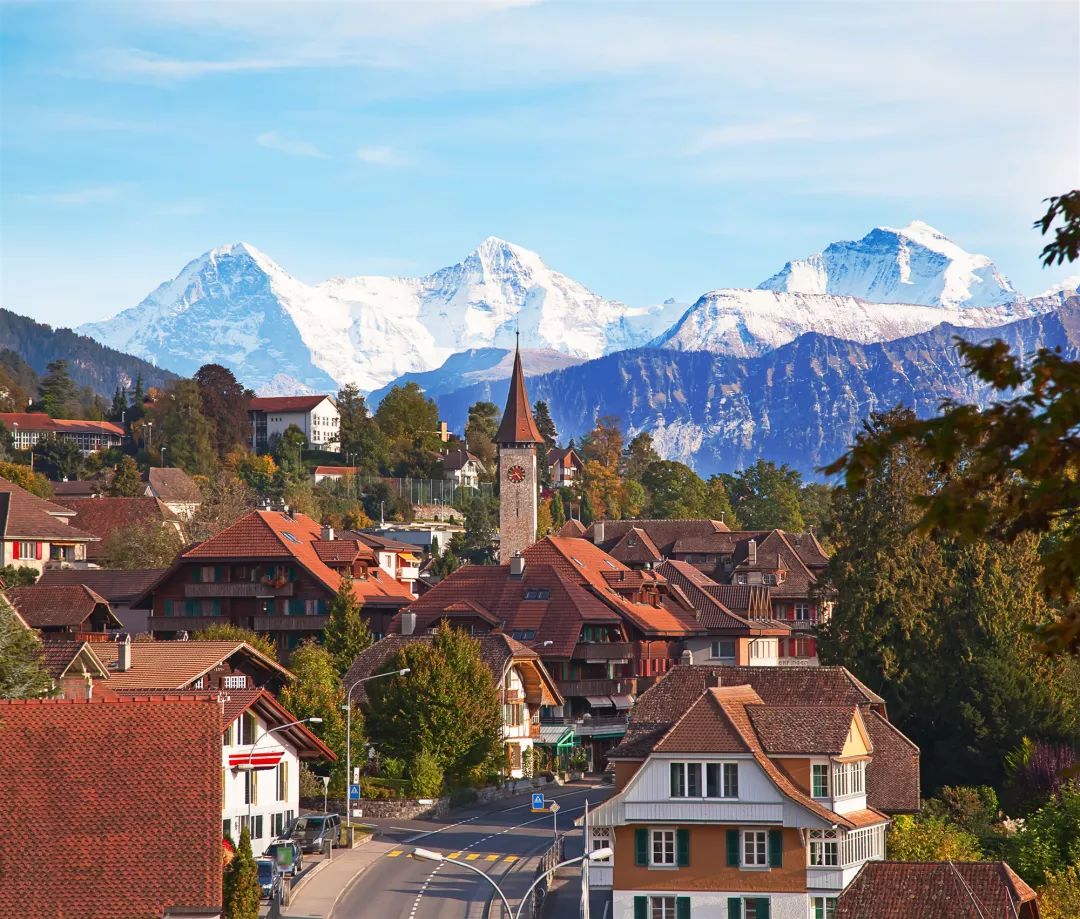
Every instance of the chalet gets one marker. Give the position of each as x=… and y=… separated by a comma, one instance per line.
x=141, y=777
x=565, y=466
x=175, y=489
x=739, y=793
x=120, y=586
x=462, y=468
x=274, y=573
x=316, y=416
x=400, y=560
x=106, y=517
x=37, y=533
x=72, y=613
x=30, y=428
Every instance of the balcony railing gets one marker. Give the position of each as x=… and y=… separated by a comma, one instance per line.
x=236, y=589
x=622, y=686
x=297, y=623
x=603, y=651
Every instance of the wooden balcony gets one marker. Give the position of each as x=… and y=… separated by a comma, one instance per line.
x=624, y=686
x=603, y=651
x=236, y=589
x=297, y=623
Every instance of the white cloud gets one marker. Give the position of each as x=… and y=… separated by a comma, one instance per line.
x=79, y=197
x=272, y=140
x=381, y=156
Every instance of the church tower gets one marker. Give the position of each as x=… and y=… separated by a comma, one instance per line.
x=519, y=480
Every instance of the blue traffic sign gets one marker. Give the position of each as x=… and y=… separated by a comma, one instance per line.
x=354, y=792
x=538, y=803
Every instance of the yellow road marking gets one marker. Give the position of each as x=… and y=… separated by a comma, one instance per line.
x=394, y=854
x=472, y=856
x=491, y=858
x=454, y=855
x=510, y=858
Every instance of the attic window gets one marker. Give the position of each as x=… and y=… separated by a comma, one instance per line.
x=523, y=634
x=537, y=593
x=289, y=536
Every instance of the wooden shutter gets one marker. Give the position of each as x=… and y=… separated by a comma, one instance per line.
x=641, y=847
x=733, y=848
x=776, y=848
x=682, y=848
x=15, y=549
x=762, y=908
x=37, y=546
x=682, y=908
x=641, y=908
x=734, y=908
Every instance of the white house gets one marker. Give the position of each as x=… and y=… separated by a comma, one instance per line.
x=462, y=468
x=35, y=533
x=260, y=765
x=316, y=416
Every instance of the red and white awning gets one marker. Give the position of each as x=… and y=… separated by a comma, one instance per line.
x=260, y=759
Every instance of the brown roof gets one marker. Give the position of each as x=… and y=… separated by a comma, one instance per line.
x=453, y=460
x=378, y=541
x=117, y=585
x=806, y=729
x=58, y=656
x=663, y=532
x=936, y=890
x=635, y=548
x=177, y=664
x=336, y=470
x=712, y=614
x=78, y=488
x=753, y=601
x=25, y=515
x=565, y=457
x=104, y=517
x=171, y=484
x=573, y=528
x=285, y=403
x=517, y=425
x=47, y=607
x=336, y=552
x=129, y=843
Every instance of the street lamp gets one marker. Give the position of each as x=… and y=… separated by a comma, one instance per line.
x=596, y=855
x=149, y=435
x=163, y=448
x=348, y=731
x=251, y=753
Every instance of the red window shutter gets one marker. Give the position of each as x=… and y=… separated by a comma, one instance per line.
x=813, y=647
x=15, y=550
x=39, y=552
x=783, y=647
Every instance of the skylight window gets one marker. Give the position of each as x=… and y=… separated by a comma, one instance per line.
x=609, y=563
x=577, y=561
x=289, y=536
x=537, y=593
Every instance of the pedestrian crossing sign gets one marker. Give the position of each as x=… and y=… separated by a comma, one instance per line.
x=538, y=803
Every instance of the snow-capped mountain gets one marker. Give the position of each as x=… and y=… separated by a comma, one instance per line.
x=236, y=306
x=917, y=264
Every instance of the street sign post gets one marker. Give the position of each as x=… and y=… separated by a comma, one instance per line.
x=554, y=808
x=538, y=803
x=354, y=792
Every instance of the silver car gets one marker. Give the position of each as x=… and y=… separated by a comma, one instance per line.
x=312, y=831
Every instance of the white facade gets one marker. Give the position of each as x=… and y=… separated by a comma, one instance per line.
x=517, y=720
x=37, y=553
x=321, y=425
x=714, y=905
x=274, y=793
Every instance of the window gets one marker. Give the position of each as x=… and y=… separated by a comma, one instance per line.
x=802, y=611
x=722, y=780
x=248, y=726
x=755, y=849
x=200, y=683
x=227, y=737
x=756, y=908
x=226, y=828
x=849, y=779
x=523, y=634
x=234, y=682
x=819, y=781
x=251, y=788
x=27, y=550
x=537, y=593
x=762, y=647
x=769, y=579
x=740, y=579
x=663, y=847
x=858, y=846
x=822, y=907
x=661, y=908
x=283, y=780
x=289, y=536
x=824, y=849
x=686, y=780
x=257, y=832
x=724, y=648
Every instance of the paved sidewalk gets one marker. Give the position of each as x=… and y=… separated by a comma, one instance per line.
x=318, y=895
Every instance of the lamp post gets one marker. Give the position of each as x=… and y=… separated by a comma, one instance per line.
x=348, y=730
x=163, y=448
x=595, y=856
x=251, y=754
x=149, y=435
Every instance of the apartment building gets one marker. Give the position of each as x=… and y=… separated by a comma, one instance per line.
x=316, y=416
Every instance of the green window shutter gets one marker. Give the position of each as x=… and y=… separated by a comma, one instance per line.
x=641, y=908
x=762, y=908
x=776, y=848
x=682, y=908
x=219, y=572
x=734, y=908
x=641, y=847
x=733, y=848
x=682, y=847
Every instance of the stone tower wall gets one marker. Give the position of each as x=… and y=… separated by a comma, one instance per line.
x=517, y=502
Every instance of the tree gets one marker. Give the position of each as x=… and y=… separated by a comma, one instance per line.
x=930, y=839
x=126, y=481
x=766, y=496
x=558, y=510
x=225, y=405
x=675, y=491
x=18, y=576
x=25, y=477
x=1065, y=246
x=408, y=418
x=152, y=544
x=241, y=888
x=544, y=424
x=58, y=458
x=118, y=409
x=444, y=563
x=1060, y=895
x=226, y=631
x=447, y=706
x=1049, y=840
x=480, y=430
x=346, y=633
x=183, y=430
x=543, y=519
x=585, y=509
x=815, y=505
x=58, y=396
x=225, y=499
x=477, y=543
x=361, y=437
x=258, y=473
x=604, y=443
x=718, y=502
x=639, y=456
x=22, y=671
x=425, y=776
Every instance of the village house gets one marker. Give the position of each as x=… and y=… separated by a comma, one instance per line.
x=524, y=684
x=107, y=822
x=316, y=416
x=106, y=517
x=462, y=468
x=120, y=586
x=333, y=473
x=37, y=533
x=400, y=560
x=175, y=489
x=274, y=573
x=565, y=466
x=28, y=429
x=72, y=613
x=73, y=667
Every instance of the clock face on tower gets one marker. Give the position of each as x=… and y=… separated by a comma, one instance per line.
x=516, y=474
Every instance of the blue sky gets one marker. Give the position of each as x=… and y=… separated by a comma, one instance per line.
x=649, y=150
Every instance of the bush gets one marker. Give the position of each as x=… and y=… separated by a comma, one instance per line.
x=374, y=790
x=460, y=797
x=1060, y=898
x=392, y=767
x=930, y=839
x=425, y=776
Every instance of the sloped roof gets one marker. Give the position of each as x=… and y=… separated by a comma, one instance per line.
x=573, y=528
x=58, y=656
x=663, y=532
x=517, y=425
x=25, y=515
x=104, y=517
x=172, y=484
x=119, y=586
x=285, y=403
x=176, y=664
x=635, y=548
x=935, y=890
x=39, y=421
x=128, y=843
x=564, y=456
x=712, y=614
x=807, y=729
x=453, y=460
x=48, y=607
x=237, y=701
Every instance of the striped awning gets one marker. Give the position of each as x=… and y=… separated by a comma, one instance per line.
x=260, y=759
x=622, y=703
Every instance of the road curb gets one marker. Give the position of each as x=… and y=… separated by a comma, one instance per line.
x=308, y=875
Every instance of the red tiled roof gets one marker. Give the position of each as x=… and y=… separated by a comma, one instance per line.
x=47, y=607
x=39, y=421
x=807, y=729
x=237, y=701
x=336, y=470
x=117, y=585
x=177, y=664
x=663, y=532
x=139, y=836
x=342, y=551
x=517, y=425
x=712, y=614
x=285, y=403
x=635, y=548
x=104, y=517
x=936, y=890
x=58, y=656
x=30, y=517
x=572, y=528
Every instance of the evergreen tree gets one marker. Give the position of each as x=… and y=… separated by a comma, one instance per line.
x=181, y=427
x=361, y=439
x=544, y=424
x=136, y=409
x=585, y=511
x=242, y=892
x=480, y=429
x=225, y=405
x=126, y=481
x=346, y=633
x=58, y=395
x=59, y=459
x=558, y=510
x=639, y=455
x=543, y=519
x=718, y=502
x=22, y=672
x=766, y=496
x=118, y=409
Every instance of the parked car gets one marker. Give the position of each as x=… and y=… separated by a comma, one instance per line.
x=313, y=830
x=269, y=878
x=287, y=855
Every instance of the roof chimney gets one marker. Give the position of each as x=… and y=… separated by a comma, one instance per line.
x=123, y=656
x=598, y=532
x=327, y=532
x=687, y=657
x=751, y=552
x=408, y=623
x=517, y=566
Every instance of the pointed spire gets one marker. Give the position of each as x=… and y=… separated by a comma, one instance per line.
x=518, y=426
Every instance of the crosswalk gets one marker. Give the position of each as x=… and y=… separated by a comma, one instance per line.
x=462, y=856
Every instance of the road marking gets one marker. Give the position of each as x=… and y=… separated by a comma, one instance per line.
x=510, y=858
x=453, y=855
x=472, y=856
x=393, y=854
x=491, y=858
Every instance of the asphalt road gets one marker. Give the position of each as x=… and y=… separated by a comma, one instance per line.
x=499, y=839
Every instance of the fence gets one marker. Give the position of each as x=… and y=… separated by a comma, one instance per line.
x=416, y=491
x=533, y=908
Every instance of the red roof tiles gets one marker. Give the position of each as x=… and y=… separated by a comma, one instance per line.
x=49, y=607
x=285, y=403
x=104, y=517
x=110, y=823
x=30, y=517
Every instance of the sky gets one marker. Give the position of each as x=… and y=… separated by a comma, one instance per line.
x=647, y=149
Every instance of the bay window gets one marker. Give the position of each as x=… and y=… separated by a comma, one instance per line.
x=849, y=779
x=824, y=849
